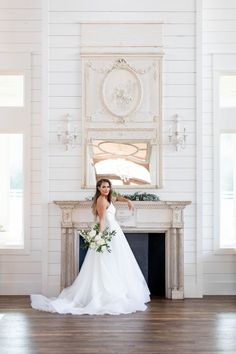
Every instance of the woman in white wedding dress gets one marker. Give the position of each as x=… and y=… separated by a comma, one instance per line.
x=108, y=283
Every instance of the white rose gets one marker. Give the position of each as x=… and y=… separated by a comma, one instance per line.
x=92, y=233
x=93, y=245
x=103, y=248
x=97, y=238
x=100, y=242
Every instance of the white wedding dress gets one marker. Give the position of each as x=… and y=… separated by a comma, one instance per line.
x=108, y=283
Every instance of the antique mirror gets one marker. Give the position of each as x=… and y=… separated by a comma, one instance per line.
x=130, y=159
x=124, y=162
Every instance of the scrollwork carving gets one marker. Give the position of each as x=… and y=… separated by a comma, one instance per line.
x=120, y=63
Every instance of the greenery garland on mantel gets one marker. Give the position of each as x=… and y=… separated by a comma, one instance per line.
x=139, y=196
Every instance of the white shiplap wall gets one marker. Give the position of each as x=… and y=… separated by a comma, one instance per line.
x=179, y=97
x=219, y=36
x=20, y=31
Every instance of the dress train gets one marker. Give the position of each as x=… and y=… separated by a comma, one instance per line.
x=108, y=283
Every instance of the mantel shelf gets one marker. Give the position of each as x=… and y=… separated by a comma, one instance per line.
x=137, y=203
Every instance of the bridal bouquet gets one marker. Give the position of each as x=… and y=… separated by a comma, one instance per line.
x=96, y=240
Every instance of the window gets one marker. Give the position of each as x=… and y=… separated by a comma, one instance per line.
x=15, y=100
x=224, y=153
x=11, y=189
x=228, y=90
x=11, y=90
x=227, y=190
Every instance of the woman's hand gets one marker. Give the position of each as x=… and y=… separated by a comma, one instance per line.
x=120, y=198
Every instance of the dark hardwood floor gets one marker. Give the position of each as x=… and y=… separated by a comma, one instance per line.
x=187, y=326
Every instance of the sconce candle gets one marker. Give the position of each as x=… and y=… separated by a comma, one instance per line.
x=170, y=131
x=69, y=136
x=178, y=138
x=177, y=124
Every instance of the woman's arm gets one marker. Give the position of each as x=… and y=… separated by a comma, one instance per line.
x=120, y=198
x=101, y=210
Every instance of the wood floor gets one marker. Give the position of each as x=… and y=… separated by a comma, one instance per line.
x=187, y=326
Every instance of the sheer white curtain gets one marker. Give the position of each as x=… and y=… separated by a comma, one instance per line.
x=11, y=188
x=4, y=180
x=4, y=183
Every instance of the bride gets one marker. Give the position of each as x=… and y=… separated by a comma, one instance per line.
x=108, y=283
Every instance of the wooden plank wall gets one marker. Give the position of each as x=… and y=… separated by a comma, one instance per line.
x=20, y=31
x=179, y=97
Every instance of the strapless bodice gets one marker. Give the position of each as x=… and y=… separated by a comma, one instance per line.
x=110, y=213
x=111, y=209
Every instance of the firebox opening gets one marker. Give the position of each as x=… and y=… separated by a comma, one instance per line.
x=149, y=251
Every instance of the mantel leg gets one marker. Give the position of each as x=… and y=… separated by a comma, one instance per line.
x=174, y=279
x=181, y=262
x=68, y=257
x=177, y=267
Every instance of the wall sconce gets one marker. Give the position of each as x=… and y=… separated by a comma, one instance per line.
x=69, y=136
x=177, y=137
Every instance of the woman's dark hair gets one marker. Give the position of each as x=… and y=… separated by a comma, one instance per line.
x=97, y=193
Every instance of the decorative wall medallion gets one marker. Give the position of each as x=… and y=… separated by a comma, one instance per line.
x=121, y=92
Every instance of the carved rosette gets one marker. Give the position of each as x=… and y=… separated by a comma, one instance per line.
x=120, y=95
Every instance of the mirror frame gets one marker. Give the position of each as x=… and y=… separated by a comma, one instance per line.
x=145, y=123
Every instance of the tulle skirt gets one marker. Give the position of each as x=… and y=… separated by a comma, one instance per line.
x=108, y=283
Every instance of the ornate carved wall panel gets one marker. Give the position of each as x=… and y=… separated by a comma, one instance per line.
x=122, y=90
x=122, y=101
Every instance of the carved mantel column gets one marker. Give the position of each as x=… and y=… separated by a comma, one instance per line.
x=68, y=243
x=177, y=262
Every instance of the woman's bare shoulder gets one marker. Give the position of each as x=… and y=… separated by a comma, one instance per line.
x=101, y=205
x=101, y=201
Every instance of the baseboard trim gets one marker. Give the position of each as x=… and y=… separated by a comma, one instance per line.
x=219, y=288
x=192, y=290
x=20, y=288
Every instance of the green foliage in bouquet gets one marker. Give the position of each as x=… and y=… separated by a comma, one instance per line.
x=96, y=240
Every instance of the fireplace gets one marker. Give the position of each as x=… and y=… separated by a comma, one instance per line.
x=160, y=223
x=149, y=251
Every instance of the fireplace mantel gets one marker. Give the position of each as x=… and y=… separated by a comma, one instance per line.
x=159, y=217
